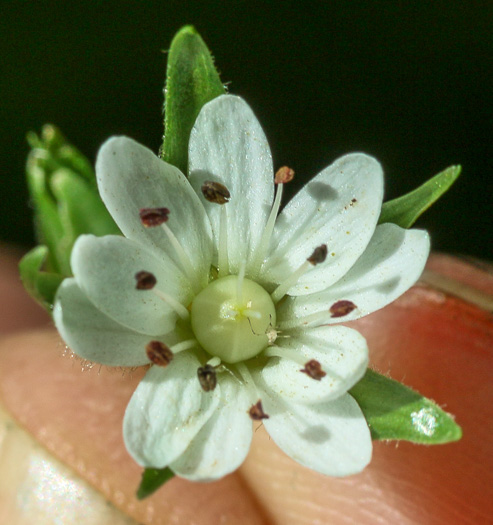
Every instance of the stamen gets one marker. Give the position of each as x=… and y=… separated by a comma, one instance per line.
x=215, y=192
x=184, y=345
x=174, y=304
x=182, y=256
x=239, y=284
x=304, y=321
x=282, y=176
x=207, y=377
x=222, y=255
x=318, y=256
x=151, y=217
x=284, y=353
x=342, y=308
x=145, y=280
x=214, y=362
x=338, y=309
x=159, y=354
x=256, y=412
x=311, y=368
x=314, y=370
x=218, y=194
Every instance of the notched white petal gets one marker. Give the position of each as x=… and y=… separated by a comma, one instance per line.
x=341, y=352
x=167, y=411
x=340, y=208
x=332, y=438
x=228, y=146
x=223, y=442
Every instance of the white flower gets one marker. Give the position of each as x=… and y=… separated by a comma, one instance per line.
x=236, y=308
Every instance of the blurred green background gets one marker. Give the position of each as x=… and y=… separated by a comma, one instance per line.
x=408, y=82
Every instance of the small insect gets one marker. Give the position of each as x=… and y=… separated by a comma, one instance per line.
x=271, y=332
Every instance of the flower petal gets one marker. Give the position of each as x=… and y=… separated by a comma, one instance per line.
x=332, y=438
x=105, y=269
x=391, y=264
x=227, y=145
x=167, y=411
x=223, y=442
x=130, y=177
x=340, y=208
x=93, y=335
x=341, y=352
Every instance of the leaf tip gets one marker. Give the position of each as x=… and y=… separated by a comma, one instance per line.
x=187, y=29
x=152, y=479
x=455, y=171
x=455, y=430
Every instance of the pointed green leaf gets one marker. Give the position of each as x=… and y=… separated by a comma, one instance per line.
x=152, y=479
x=394, y=411
x=64, y=196
x=81, y=209
x=42, y=286
x=405, y=210
x=60, y=153
x=191, y=82
x=46, y=220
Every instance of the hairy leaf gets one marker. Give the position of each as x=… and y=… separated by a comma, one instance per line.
x=191, y=82
x=394, y=411
x=405, y=210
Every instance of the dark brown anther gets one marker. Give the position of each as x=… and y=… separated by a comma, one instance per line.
x=319, y=255
x=313, y=369
x=284, y=175
x=215, y=192
x=342, y=308
x=158, y=353
x=353, y=200
x=151, y=217
x=145, y=280
x=207, y=377
x=256, y=412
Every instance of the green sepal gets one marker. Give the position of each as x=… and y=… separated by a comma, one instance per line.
x=47, y=223
x=59, y=153
x=394, y=411
x=64, y=196
x=42, y=286
x=80, y=209
x=405, y=210
x=191, y=81
x=152, y=479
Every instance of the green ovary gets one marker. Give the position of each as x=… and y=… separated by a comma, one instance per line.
x=231, y=319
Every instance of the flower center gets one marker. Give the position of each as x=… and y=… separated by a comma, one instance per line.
x=231, y=318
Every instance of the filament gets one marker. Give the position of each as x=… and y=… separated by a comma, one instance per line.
x=173, y=303
x=223, y=262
